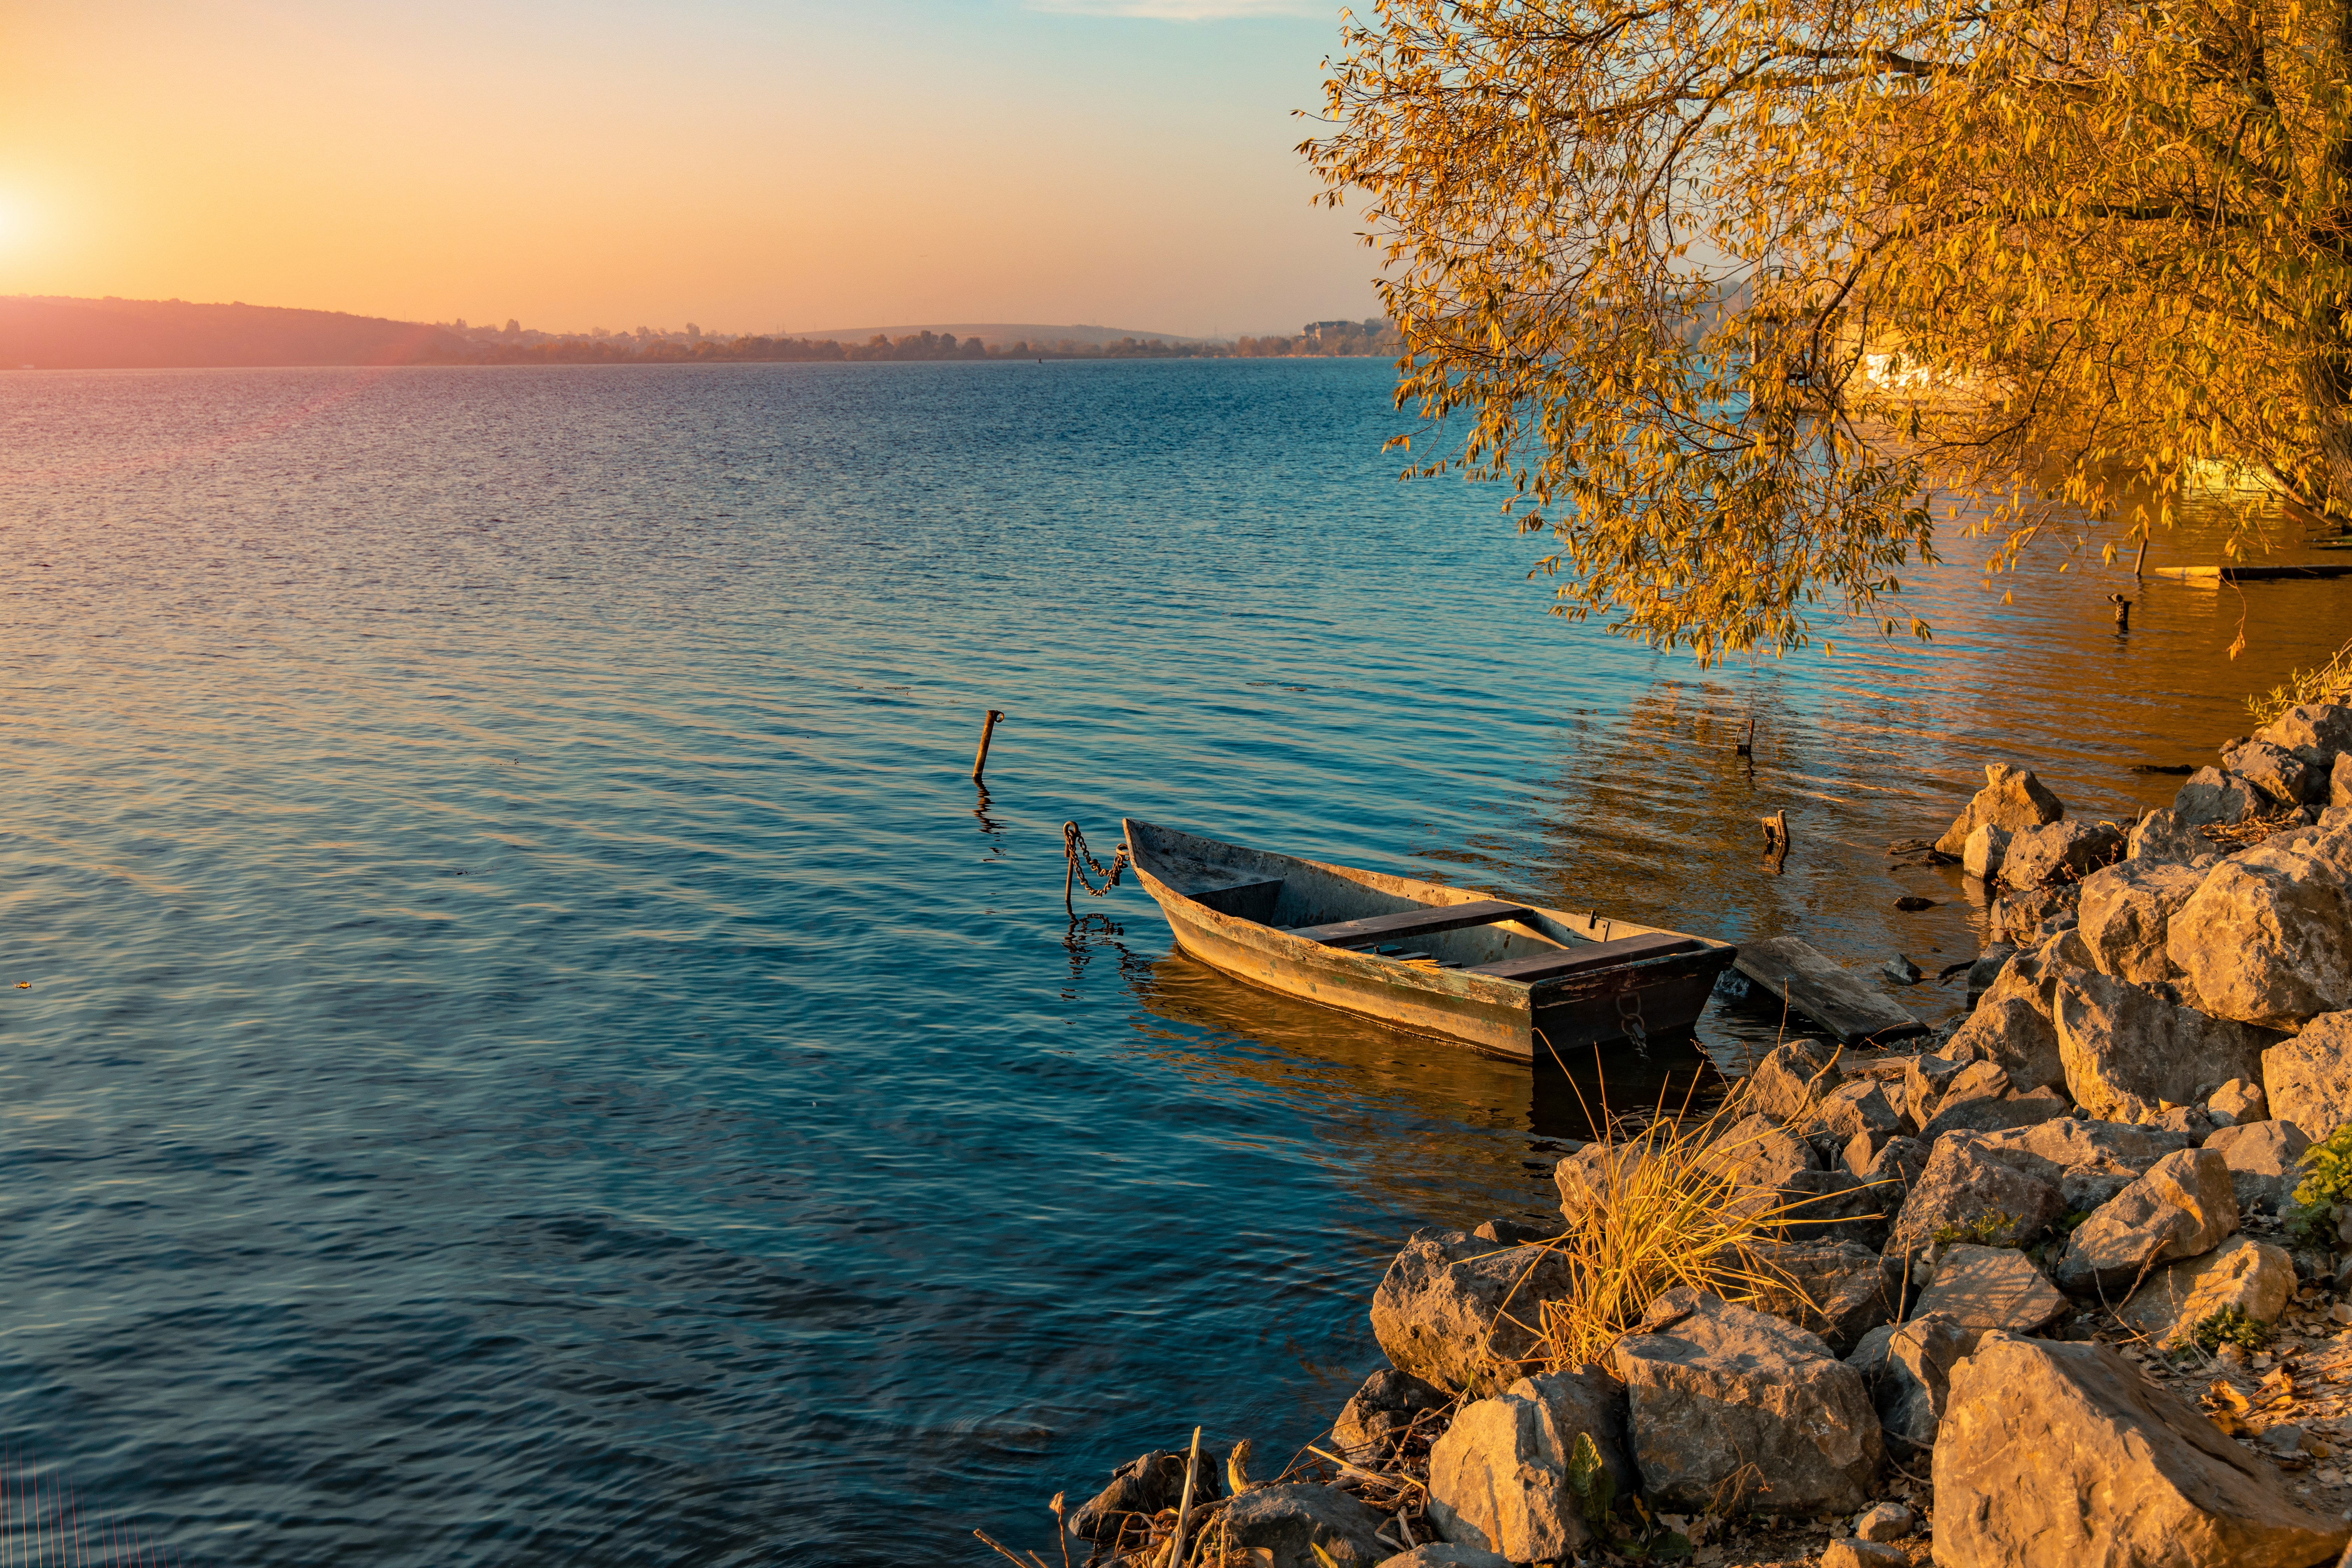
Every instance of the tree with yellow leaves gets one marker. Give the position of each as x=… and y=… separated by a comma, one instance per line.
x=1723, y=288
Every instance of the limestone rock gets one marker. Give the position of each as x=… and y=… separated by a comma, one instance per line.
x=2261, y=1156
x=1893, y=1171
x=1828, y=1207
x=1963, y=1183
x=2050, y=1150
x=2185, y=1205
x=1378, y=1417
x=2162, y=838
x=1987, y=969
x=2239, y=1099
x=1839, y=1291
x=1287, y=1524
x=2123, y=911
x=2064, y=1454
x=2127, y=1047
x=1791, y=1079
x=2307, y=1079
x=1860, y=1553
x=2339, y=784
x=2311, y=729
x=2214, y=798
x=1887, y=1522
x=2013, y=1023
x=2267, y=937
x=2062, y=851
x=2252, y=1275
x=1140, y=1488
x=1586, y=1177
x=2012, y=798
x=1995, y=1113
x=1979, y=1079
x=1986, y=847
x=2190, y=1120
x=1913, y=1383
x=2285, y=778
x=1925, y=1080
x=1983, y=1287
x=1499, y=1476
x=1856, y=1107
x=1733, y=1409
x=1445, y=1554
x=1438, y=1312
x=1760, y=1151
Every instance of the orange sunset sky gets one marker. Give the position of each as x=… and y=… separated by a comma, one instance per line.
x=745, y=166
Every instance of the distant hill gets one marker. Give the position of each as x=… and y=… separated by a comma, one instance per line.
x=126, y=334
x=996, y=334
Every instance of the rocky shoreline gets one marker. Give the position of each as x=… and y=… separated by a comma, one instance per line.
x=2072, y=1285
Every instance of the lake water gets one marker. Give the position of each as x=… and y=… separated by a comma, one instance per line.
x=523, y=1044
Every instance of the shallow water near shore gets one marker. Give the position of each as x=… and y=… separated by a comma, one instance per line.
x=533, y=1049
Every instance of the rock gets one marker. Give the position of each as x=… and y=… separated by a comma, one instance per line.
x=2308, y=1079
x=1887, y=1522
x=2214, y=798
x=1515, y=1232
x=2190, y=1120
x=1895, y=1170
x=2285, y=778
x=1732, y=1408
x=2184, y=1205
x=1760, y=1151
x=1437, y=1312
x=1983, y=1287
x=1987, y=969
x=1140, y=1488
x=1861, y=1554
x=1979, y=1079
x=1856, y=1107
x=2050, y=1150
x=2124, y=914
x=2239, y=1099
x=2056, y=1454
x=2339, y=784
x=1445, y=1554
x=2127, y=1047
x=1901, y=970
x=2267, y=937
x=2012, y=798
x=1791, y=1079
x=2061, y=852
x=1925, y=1080
x=1587, y=1177
x=1828, y=1207
x=2311, y=729
x=1378, y=1417
x=2262, y=1157
x=2162, y=838
x=1982, y=853
x=1499, y=1476
x=2086, y=1192
x=2012, y=1023
x=2252, y=1275
x=1287, y=1524
x=1913, y=1378
x=1996, y=1114
x=1963, y=1183
x=1839, y=1291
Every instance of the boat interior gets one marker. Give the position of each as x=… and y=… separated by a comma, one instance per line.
x=1378, y=916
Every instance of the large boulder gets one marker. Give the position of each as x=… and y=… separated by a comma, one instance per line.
x=1840, y=1291
x=1791, y=1079
x=1961, y=1185
x=2285, y=778
x=2013, y=1023
x=1992, y=1287
x=2130, y=1050
x=2251, y=1277
x=2061, y=852
x=1733, y=1409
x=1380, y=1415
x=2267, y=938
x=2312, y=730
x=1455, y=1310
x=2124, y=914
x=2184, y=1206
x=2262, y=1157
x=2056, y=1454
x=2163, y=837
x=2307, y=1079
x=2214, y=798
x=1986, y=848
x=1499, y=1476
x=2050, y=1149
x=1286, y=1524
x=2012, y=798
x=1140, y=1490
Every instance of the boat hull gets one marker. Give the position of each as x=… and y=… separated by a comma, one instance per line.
x=1503, y=1017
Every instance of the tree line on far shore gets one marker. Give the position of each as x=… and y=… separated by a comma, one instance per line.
x=1323, y=339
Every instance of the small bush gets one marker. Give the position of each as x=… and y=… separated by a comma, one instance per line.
x=1991, y=1228
x=2331, y=682
x=2231, y=1326
x=2326, y=1185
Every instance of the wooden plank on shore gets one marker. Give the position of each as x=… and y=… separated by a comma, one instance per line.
x=2250, y=574
x=1847, y=1006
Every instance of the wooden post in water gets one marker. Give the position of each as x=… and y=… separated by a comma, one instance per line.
x=2123, y=610
x=987, y=729
x=2141, y=559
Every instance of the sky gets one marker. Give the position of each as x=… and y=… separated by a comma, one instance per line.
x=743, y=166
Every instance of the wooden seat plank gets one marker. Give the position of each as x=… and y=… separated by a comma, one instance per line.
x=1581, y=960
x=1406, y=925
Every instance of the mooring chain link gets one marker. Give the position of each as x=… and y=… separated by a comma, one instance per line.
x=1079, y=857
x=1629, y=1012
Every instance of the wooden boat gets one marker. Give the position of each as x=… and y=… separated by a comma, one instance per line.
x=1510, y=978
